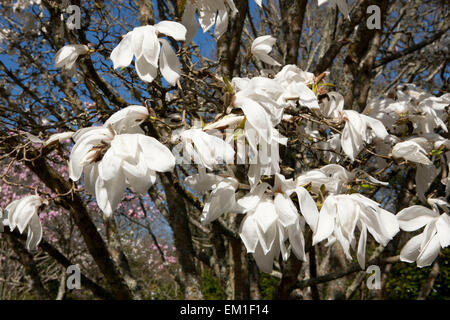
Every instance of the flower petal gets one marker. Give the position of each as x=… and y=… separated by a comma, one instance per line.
x=169, y=65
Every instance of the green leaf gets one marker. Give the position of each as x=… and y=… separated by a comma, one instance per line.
x=228, y=84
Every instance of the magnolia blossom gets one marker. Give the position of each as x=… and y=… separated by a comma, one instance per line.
x=262, y=46
x=270, y=221
x=424, y=111
x=411, y=151
x=210, y=12
x=333, y=105
x=144, y=43
x=114, y=156
x=206, y=150
x=68, y=55
x=131, y=161
x=333, y=177
x=23, y=214
x=56, y=137
x=257, y=98
x=341, y=214
x=128, y=120
x=355, y=132
x=222, y=198
x=425, y=247
x=295, y=82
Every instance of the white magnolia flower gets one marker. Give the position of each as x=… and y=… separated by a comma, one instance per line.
x=341, y=214
x=333, y=177
x=222, y=197
x=263, y=156
x=206, y=150
x=210, y=12
x=291, y=73
x=144, y=43
x=425, y=111
x=60, y=137
x=341, y=4
x=333, y=106
x=68, y=55
x=295, y=82
x=270, y=221
x=131, y=161
x=116, y=156
x=262, y=93
x=23, y=214
x=331, y=148
x=425, y=247
x=355, y=132
x=90, y=146
x=412, y=151
x=262, y=46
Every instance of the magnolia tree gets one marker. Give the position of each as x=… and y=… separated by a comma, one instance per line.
x=307, y=140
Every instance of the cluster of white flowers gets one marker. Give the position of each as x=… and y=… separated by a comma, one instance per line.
x=119, y=154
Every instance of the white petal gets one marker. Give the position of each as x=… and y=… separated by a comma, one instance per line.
x=362, y=248
x=257, y=117
x=145, y=70
x=109, y=193
x=157, y=156
x=251, y=200
x=411, y=250
x=189, y=21
x=377, y=127
x=287, y=213
x=206, y=19
x=127, y=118
x=429, y=253
x=169, y=65
x=221, y=23
x=261, y=47
x=415, y=217
x=122, y=55
x=443, y=230
x=248, y=232
x=308, y=207
x=411, y=151
x=59, y=137
x=173, y=29
x=263, y=261
x=265, y=215
x=221, y=200
x=297, y=241
x=202, y=182
x=150, y=47
x=34, y=233
x=325, y=224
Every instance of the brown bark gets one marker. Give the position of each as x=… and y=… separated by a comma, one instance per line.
x=292, y=15
x=29, y=265
x=179, y=222
x=228, y=45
